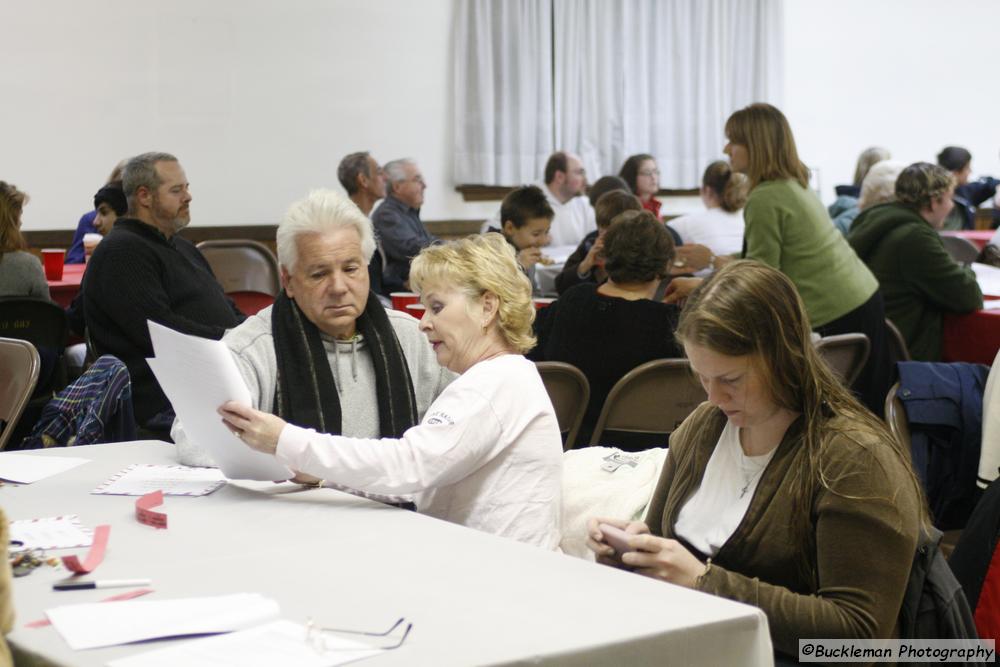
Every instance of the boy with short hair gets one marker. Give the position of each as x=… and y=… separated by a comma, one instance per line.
x=526, y=218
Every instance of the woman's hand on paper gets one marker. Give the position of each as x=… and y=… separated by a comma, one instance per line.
x=259, y=430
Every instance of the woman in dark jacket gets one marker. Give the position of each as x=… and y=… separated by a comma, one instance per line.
x=901, y=245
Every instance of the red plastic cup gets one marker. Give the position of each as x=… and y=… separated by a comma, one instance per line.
x=400, y=300
x=53, y=259
x=415, y=309
x=542, y=302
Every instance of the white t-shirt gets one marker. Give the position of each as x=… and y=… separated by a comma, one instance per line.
x=712, y=514
x=722, y=232
x=487, y=455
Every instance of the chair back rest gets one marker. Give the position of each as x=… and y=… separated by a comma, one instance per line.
x=569, y=392
x=19, y=366
x=897, y=344
x=654, y=397
x=895, y=418
x=846, y=354
x=39, y=321
x=242, y=265
x=961, y=250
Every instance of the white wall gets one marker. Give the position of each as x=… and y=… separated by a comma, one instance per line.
x=911, y=75
x=258, y=99
x=261, y=99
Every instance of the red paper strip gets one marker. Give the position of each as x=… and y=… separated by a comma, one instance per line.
x=42, y=622
x=94, y=556
x=144, y=512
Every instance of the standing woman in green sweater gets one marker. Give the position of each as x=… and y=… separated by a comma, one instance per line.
x=788, y=228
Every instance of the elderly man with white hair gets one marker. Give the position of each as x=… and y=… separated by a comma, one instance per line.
x=397, y=221
x=327, y=355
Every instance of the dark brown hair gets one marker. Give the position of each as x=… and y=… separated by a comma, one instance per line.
x=525, y=203
x=637, y=248
x=630, y=169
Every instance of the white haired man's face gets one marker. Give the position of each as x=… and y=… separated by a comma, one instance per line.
x=329, y=281
x=410, y=190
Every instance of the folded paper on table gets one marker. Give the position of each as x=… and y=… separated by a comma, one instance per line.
x=28, y=468
x=198, y=376
x=277, y=643
x=94, y=557
x=96, y=624
x=42, y=622
x=54, y=532
x=139, y=479
x=145, y=513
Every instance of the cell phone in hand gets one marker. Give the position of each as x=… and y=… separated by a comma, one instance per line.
x=616, y=538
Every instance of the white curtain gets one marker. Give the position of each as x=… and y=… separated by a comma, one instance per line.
x=660, y=77
x=503, y=90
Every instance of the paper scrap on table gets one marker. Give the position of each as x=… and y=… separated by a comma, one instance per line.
x=139, y=479
x=95, y=556
x=54, y=532
x=95, y=624
x=199, y=375
x=988, y=278
x=145, y=513
x=277, y=643
x=28, y=468
x=991, y=304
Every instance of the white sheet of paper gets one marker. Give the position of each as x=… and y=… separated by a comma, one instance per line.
x=277, y=643
x=54, y=532
x=991, y=304
x=100, y=624
x=28, y=468
x=139, y=479
x=988, y=278
x=199, y=375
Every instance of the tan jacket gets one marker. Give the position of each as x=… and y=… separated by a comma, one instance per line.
x=865, y=532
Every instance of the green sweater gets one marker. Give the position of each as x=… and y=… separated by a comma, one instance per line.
x=864, y=539
x=788, y=228
x=919, y=279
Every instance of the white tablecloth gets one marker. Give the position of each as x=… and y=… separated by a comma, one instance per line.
x=474, y=599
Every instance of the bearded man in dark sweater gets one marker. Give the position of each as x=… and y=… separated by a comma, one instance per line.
x=144, y=271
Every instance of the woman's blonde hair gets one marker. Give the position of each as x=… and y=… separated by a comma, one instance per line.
x=868, y=159
x=765, y=132
x=750, y=309
x=12, y=202
x=476, y=265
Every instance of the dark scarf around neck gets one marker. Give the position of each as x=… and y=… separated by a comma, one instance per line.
x=306, y=392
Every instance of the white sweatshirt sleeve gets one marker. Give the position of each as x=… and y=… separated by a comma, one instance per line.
x=459, y=433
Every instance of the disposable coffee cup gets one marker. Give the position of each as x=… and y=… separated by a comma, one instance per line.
x=90, y=242
x=53, y=259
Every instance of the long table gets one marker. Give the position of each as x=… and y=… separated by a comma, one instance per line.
x=64, y=291
x=474, y=598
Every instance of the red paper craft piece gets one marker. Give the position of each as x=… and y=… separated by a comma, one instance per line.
x=94, y=556
x=42, y=622
x=144, y=512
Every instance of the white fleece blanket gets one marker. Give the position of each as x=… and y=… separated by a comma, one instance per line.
x=605, y=482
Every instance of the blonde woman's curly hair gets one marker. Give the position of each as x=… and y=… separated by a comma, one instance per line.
x=476, y=265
